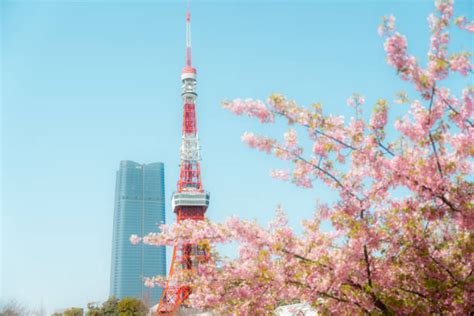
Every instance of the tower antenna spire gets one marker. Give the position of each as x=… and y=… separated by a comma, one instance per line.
x=188, y=37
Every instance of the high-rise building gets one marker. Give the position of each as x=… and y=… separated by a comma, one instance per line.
x=139, y=207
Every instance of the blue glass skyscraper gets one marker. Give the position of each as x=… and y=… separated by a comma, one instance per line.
x=139, y=207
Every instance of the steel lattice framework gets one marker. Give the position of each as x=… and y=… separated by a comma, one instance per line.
x=190, y=201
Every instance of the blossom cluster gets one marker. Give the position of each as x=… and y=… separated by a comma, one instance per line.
x=402, y=238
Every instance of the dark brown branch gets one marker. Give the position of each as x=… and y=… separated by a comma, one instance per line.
x=377, y=302
x=319, y=161
x=433, y=90
x=379, y=142
x=440, y=196
x=339, y=299
x=327, y=173
x=431, y=103
x=336, y=140
x=321, y=132
x=436, y=154
x=302, y=258
x=446, y=201
x=367, y=266
x=444, y=268
x=438, y=263
x=353, y=284
x=298, y=256
x=455, y=111
x=414, y=292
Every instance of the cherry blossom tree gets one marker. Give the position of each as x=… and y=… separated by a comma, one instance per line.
x=388, y=252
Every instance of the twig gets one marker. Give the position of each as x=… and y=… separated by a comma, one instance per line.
x=336, y=140
x=436, y=154
x=414, y=292
x=455, y=111
x=429, y=131
x=327, y=173
x=321, y=132
x=384, y=147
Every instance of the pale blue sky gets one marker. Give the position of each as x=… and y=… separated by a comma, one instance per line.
x=87, y=84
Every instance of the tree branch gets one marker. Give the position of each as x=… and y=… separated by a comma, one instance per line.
x=444, y=268
x=440, y=196
x=435, y=153
x=335, y=139
x=455, y=111
x=320, y=132
x=302, y=258
x=327, y=173
x=339, y=299
x=379, y=142
x=377, y=302
x=367, y=266
x=446, y=201
x=414, y=292
x=433, y=90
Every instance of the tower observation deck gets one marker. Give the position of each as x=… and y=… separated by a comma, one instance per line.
x=190, y=201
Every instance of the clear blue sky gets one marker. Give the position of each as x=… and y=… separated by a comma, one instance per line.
x=87, y=84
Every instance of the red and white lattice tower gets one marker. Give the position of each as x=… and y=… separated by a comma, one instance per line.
x=190, y=201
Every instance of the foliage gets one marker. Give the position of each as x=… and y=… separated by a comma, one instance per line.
x=130, y=306
x=12, y=308
x=74, y=311
x=93, y=309
x=115, y=307
x=110, y=307
x=402, y=241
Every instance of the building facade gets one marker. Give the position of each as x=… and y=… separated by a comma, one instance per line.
x=139, y=207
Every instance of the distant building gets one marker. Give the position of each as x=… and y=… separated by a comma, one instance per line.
x=139, y=207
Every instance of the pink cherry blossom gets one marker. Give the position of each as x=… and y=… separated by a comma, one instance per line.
x=462, y=23
x=461, y=64
x=280, y=174
x=355, y=100
x=387, y=25
x=134, y=239
x=252, y=108
x=149, y=283
x=402, y=222
x=291, y=139
x=469, y=27
x=379, y=116
x=259, y=142
x=396, y=48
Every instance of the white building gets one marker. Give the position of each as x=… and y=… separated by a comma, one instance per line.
x=301, y=309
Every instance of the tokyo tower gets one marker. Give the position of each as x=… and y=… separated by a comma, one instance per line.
x=190, y=201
